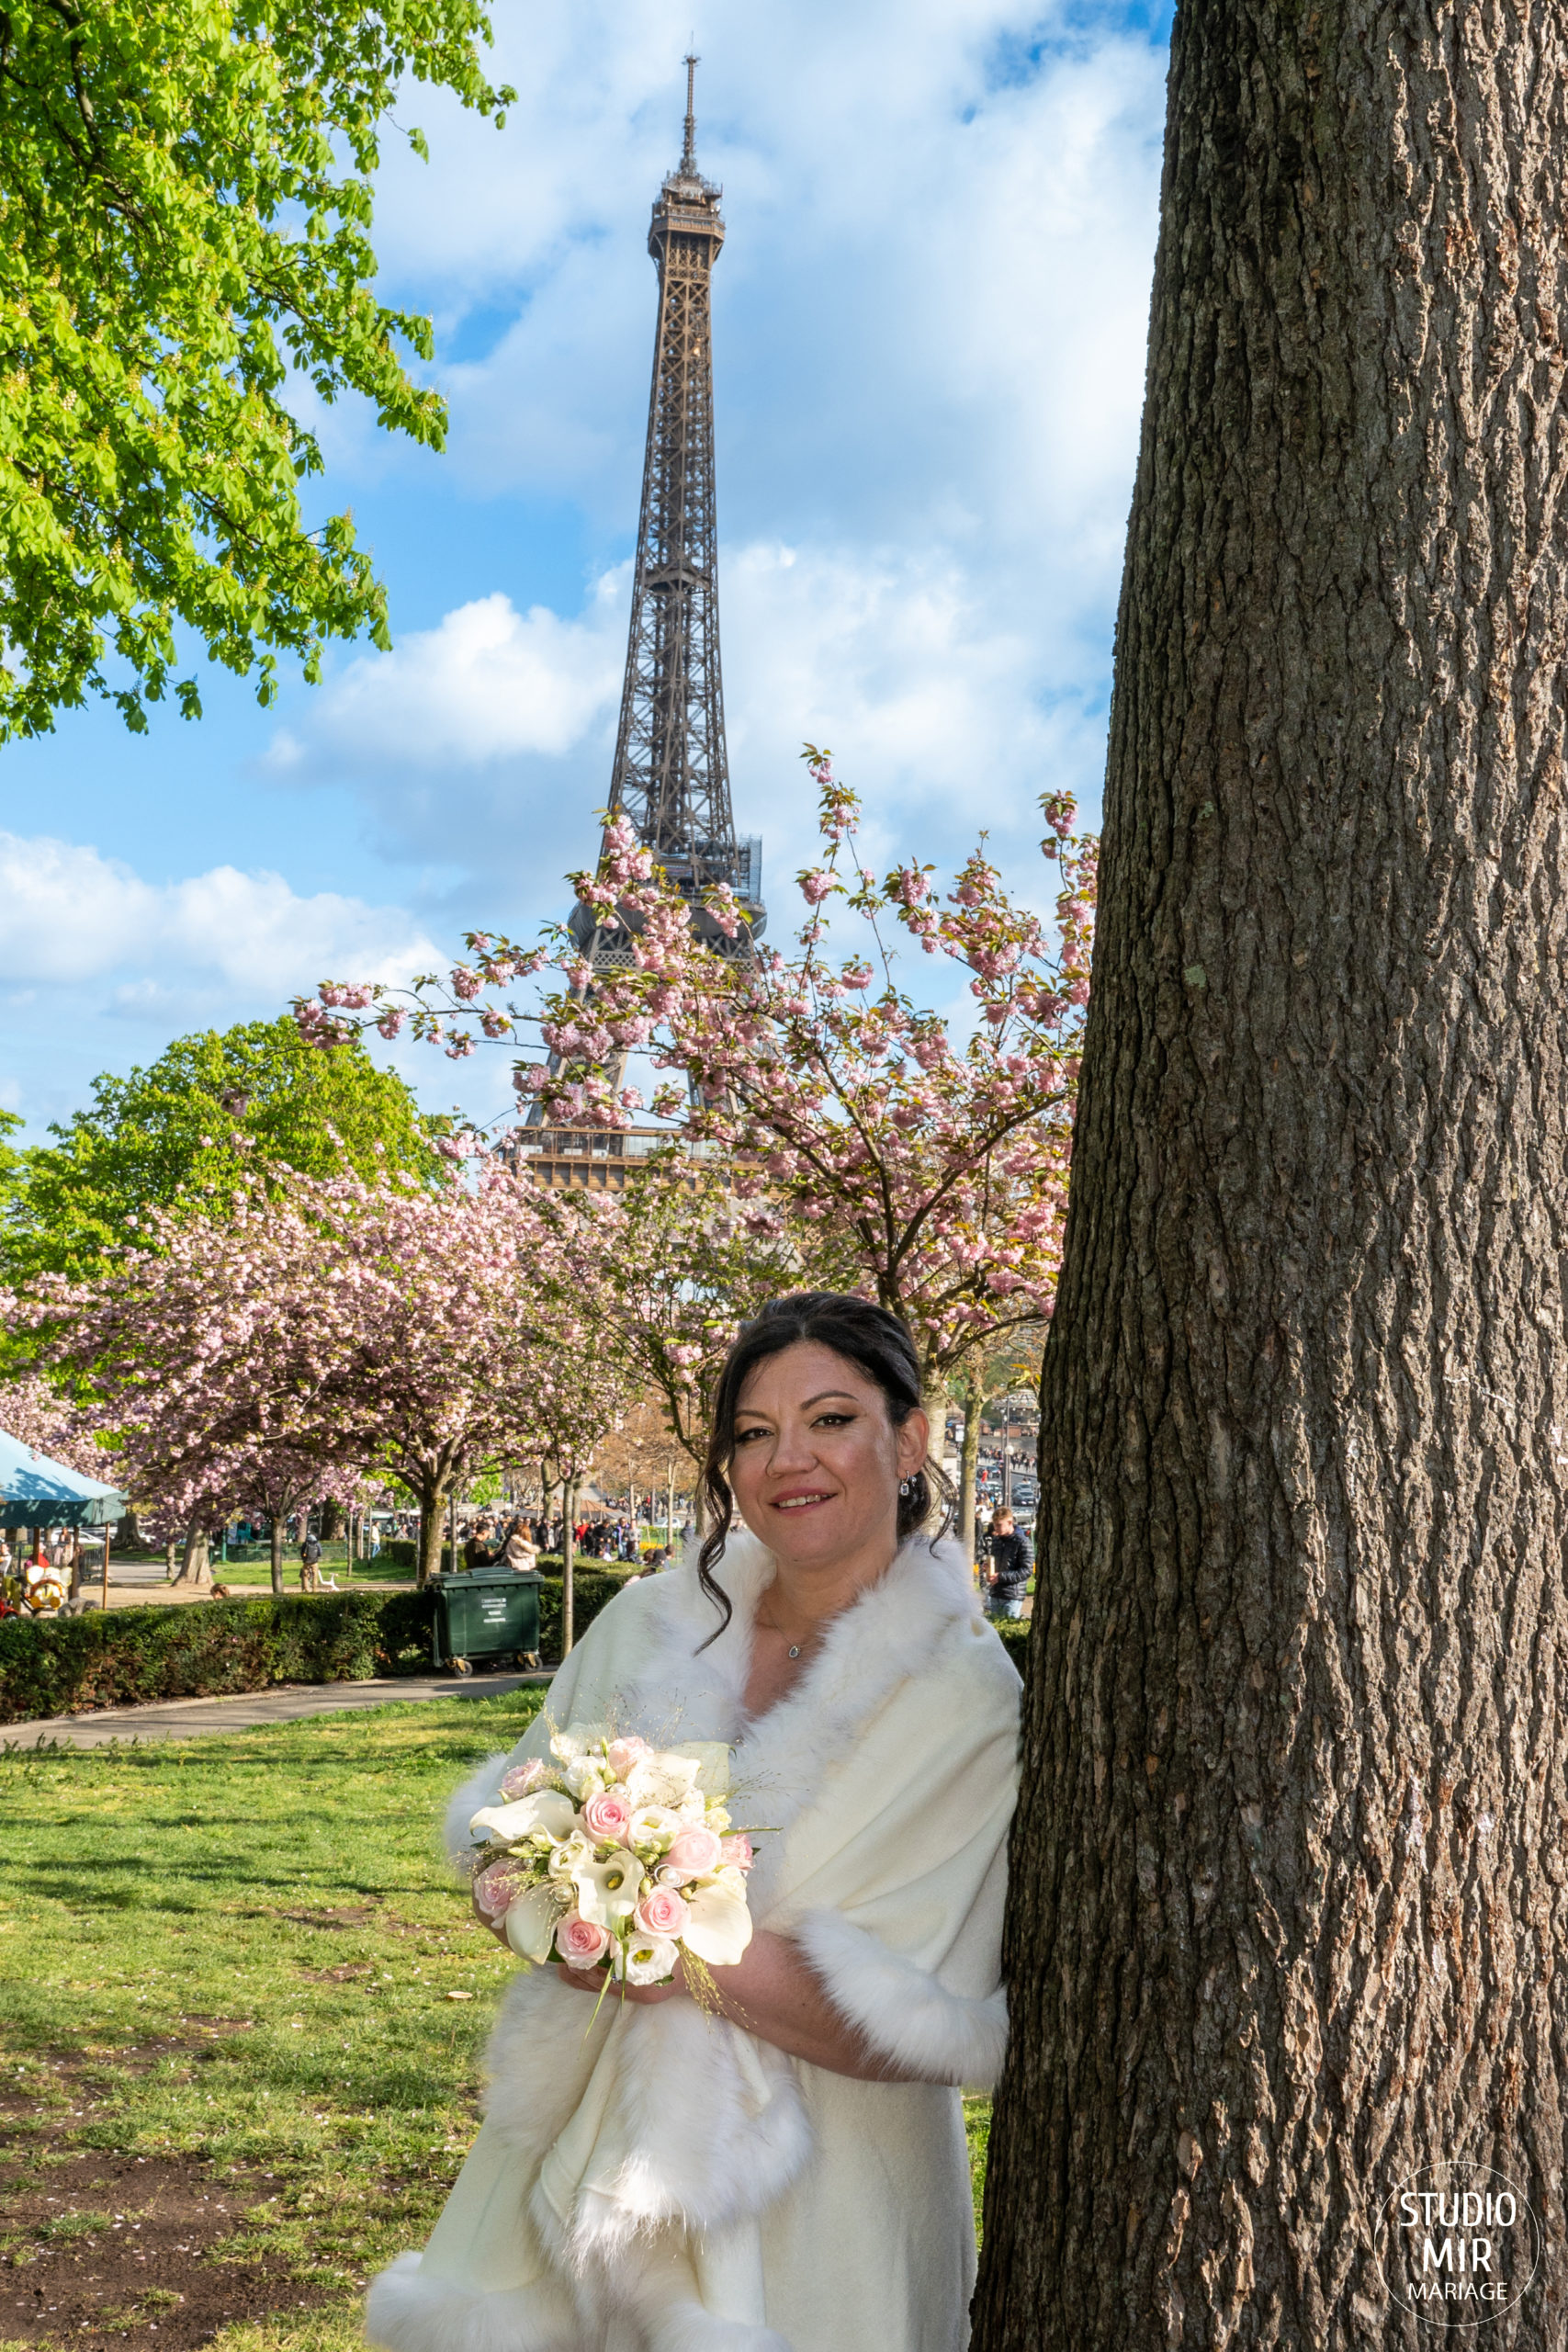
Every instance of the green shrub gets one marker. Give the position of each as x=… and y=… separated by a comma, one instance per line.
x=1014, y=1632
x=590, y=1588
x=131, y=1656
x=128, y=1658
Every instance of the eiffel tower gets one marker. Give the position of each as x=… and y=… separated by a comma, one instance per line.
x=671, y=775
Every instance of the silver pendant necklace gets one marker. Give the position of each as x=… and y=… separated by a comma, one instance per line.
x=795, y=1649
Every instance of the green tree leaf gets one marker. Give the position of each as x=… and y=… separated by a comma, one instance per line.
x=185, y=208
x=187, y=1132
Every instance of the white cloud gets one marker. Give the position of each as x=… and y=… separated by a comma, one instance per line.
x=72, y=916
x=489, y=683
x=930, y=318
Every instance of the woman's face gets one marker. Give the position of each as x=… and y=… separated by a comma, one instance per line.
x=817, y=1461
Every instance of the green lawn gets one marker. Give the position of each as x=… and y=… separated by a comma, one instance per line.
x=259, y=1571
x=238, y=1963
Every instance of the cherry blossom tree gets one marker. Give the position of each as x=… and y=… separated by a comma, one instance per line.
x=675, y=1264
x=34, y=1412
x=930, y=1154
x=333, y=1328
x=210, y=1379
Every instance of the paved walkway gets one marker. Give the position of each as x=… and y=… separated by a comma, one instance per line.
x=286, y=1704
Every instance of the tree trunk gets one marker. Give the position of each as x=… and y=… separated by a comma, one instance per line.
x=333, y=1517
x=196, y=1558
x=277, y=1525
x=968, y=1470
x=1288, y=1919
x=431, y=1510
x=568, y=1561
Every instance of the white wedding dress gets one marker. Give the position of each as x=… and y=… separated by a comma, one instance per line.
x=656, y=2180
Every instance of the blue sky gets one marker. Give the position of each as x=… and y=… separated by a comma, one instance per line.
x=930, y=318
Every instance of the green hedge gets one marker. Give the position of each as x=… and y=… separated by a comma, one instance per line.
x=1014, y=1632
x=63, y=1665
x=203, y=1649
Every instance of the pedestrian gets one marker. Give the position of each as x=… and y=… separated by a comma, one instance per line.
x=521, y=1552
x=1007, y=1572
x=477, y=1552
x=310, y=1557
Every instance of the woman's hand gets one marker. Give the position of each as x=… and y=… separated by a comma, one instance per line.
x=591, y=1980
x=773, y=1992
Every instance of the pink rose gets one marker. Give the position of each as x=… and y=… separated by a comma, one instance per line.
x=580, y=1942
x=663, y=1913
x=607, y=1817
x=736, y=1851
x=694, y=1851
x=524, y=1779
x=496, y=1888
x=622, y=1754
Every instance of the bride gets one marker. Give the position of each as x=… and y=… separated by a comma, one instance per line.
x=790, y=2175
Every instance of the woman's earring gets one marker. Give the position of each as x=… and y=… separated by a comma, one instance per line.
x=903, y=1486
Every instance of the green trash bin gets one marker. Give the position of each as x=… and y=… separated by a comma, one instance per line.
x=486, y=1614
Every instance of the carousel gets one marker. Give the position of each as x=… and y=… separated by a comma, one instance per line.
x=38, y=1497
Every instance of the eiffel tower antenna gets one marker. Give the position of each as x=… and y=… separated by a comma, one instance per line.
x=671, y=775
x=689, y=153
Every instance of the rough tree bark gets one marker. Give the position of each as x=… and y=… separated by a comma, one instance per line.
x=1287, y=1918
x=196, y=1560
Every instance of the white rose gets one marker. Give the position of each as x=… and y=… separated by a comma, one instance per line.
x=649, y=1960
x=565, y=1858
x=547, y=1809
x=719, y=1928
x=610, y=1891
x=531, y=1922
x=585, y=1778
x=654, y=1824
x=585, y=1740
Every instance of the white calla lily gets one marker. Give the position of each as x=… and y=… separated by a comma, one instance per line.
x=610, y=1891
x=719, y=1927
x=546, y=1809
x=530, y=1923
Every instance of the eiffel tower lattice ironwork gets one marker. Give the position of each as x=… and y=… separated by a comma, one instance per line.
x=672, y=773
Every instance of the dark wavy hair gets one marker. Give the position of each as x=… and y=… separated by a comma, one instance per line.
x=878, y=1343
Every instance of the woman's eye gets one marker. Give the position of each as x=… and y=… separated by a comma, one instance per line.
x=744, y=1437
x=833, y=1421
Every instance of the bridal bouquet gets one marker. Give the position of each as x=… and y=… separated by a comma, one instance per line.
x=615, y=1855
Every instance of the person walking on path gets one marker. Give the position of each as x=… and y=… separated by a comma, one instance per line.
x=309, y=1561
x=1008, y=1574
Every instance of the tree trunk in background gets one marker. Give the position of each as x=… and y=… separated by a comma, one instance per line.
x=432, y=1509
x=194, y=1560
x=278, y=1528
x=968, y=1471
x=569, y=1562
x=333, y=1520
x=1288, y=1918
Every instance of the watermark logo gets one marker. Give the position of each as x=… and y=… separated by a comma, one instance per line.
x=1457, y=2244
